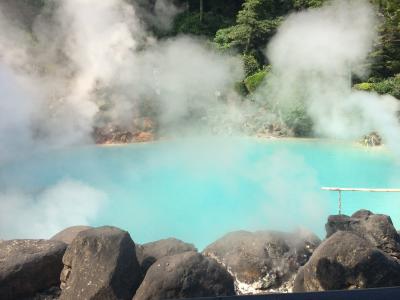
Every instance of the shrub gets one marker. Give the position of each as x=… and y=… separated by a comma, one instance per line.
x=364, y=86
x=250, y=64
x=299, y=121
x=389, y=86
x=253, y=82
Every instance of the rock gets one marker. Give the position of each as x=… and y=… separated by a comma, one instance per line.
x=378, y=229
x=371, y=140
x=100, y=263
x=347, y=261
x=144, y=137
x=29, y=266
x=298, y=285
x=185, y=275
x=112, y=135
x=263, y=260
x=67, y=235
x=50, y=294
x=148, y=253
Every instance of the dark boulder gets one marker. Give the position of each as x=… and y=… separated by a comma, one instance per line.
x=185, y=275
x=347, y=261
x=68, y=234
x=50, y=294
x=29, y=266
x=148, y=253
x=378, y=229
x=100, y=263
x=263, y=260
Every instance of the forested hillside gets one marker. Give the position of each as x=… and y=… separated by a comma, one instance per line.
x=246, y=26
x=243, y=28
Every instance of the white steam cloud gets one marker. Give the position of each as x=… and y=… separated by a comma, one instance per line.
x=65, y=204
x=314, y=55
x=79, y=57
x=84, y=55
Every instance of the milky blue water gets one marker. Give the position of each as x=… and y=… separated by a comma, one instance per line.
x=199, y=189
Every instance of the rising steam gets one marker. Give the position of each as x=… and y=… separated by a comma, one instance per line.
x=83, y=55
x=314, y=55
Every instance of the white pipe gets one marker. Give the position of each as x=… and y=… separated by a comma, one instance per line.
x=337, y=189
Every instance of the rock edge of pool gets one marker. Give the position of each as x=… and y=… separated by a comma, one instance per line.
x=82, y=262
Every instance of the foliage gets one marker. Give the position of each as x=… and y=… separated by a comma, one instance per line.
x=254, y=81
x=387, y=51
x=298, y=120
x=250, y=64
x=217, y=14
x=241, y=89
x=364, y=86
x=256, y=23
x=389, y=86
x=301, y=4
x=189, y=23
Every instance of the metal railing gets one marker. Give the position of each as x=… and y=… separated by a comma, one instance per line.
x=340, y=190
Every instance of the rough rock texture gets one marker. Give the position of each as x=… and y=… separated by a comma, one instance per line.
x=377, y=229
x=100, y=263
x=347, y=261
x=148, y=253
x=67, y=235
x=263, y=260
x=29, y=266
x=142, y=129
x=50, y=294
x=185, y=275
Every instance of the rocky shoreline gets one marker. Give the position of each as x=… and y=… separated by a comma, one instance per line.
x=359, y=251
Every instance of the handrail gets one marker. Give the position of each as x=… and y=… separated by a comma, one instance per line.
x=360, y=189
x=340, y=190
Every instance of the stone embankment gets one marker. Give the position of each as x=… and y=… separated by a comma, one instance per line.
x=80, y=262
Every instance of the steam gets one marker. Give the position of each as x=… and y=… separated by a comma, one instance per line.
x=314, y=55
x=79, y=57
x=280, y=169
x=84, y=55
x=65, y=204
x=161, y=15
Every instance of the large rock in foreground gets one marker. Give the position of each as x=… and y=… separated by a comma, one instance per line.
x=100, y=263
x=264, y=260
x=68, y=234
x=148, y=253
x=347, y=261
x=185, y=275
x=375, y=228
x=29, y=266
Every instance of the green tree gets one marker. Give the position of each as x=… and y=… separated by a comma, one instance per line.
x=386, y=57
x=301, y=4
x=256, y=23
x=206, y=17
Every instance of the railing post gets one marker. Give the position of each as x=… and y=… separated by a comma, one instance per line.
x=340, y=190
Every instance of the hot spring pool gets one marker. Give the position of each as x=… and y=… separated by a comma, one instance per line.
x=195, y=190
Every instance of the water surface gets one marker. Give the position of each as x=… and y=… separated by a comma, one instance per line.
x=199, y=189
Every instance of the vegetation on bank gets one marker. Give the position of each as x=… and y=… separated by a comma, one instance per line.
x=244, y=28
x=256, y=22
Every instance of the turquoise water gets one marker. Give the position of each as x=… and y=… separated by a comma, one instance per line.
x=199, y=189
